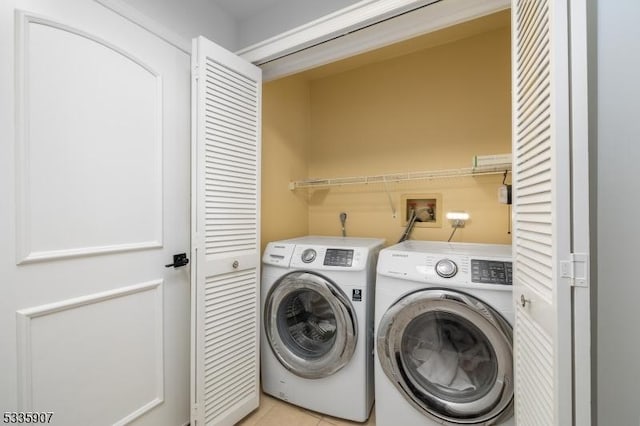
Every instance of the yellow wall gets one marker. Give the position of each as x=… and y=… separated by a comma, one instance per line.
x=285, y=146
x=433, y=109
x=428, y=110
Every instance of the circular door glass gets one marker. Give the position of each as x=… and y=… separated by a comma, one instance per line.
x=307, y=324
x=450, y=356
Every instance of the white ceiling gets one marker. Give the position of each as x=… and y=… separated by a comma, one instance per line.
x=234, y=24
x=257, y=20
x=242, y=9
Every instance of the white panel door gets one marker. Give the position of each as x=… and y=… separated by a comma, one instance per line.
x=226, y=107
x=542, y=223
x=94, y=182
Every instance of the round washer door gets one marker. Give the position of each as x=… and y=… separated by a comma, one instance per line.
x=310, y=324
x=450, y=355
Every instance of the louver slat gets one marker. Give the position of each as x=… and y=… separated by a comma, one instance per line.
x=226, y=218
x=231, y=316
x=533, y=206
x=535, y=390
x=231, y=162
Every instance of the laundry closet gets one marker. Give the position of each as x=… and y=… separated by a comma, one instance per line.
x=427, y=104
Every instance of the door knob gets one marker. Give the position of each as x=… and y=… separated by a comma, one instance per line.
x=178, y=260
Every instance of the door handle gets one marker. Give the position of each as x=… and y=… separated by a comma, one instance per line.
x=178, y=260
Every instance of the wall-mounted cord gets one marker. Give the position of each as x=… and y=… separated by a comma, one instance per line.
x=452, y=232
x=504, y=180
x=343, y=220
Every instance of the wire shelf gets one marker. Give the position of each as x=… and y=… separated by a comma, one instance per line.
x=400, y=177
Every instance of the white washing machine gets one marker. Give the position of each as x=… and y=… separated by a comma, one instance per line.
x=317, y=337
x=444, y=351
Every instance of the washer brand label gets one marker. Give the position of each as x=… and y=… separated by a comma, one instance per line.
x=356, y=295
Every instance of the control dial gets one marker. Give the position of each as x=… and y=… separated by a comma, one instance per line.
x=308, y=256
x=446, y=268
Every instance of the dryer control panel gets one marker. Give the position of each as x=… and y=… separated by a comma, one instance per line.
x=338, y=257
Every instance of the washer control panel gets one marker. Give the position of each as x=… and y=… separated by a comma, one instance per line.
x=278, y=254
x=338, y=257
x=329, y=258
x=491, y=272
x=452, y=267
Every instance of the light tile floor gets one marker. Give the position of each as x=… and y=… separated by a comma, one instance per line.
x=274, y=412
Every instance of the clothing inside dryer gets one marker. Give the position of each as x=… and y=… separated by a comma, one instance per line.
x=448, y=357
x=307, y=324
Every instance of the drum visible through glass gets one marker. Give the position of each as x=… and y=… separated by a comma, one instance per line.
x=448, y=357
x=307, y=323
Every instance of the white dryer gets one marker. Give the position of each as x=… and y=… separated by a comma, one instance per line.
x=444, y=351
x=317, y=337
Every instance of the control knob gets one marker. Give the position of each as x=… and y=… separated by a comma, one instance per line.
x=446, y=268
x=308, y=256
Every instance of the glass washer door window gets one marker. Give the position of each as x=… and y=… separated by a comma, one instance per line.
x=450, y=355
x=310, y=324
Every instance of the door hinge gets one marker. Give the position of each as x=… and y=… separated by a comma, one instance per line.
x=195, y=73
x=576, y=269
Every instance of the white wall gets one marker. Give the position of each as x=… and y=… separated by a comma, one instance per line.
x=191, y=18
x=618, y=199
x=283, y=16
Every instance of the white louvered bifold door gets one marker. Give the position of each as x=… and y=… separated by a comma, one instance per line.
x=541, y=234
x=225, y=231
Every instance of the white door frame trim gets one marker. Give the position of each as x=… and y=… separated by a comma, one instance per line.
x=342, y=24
x=349, y=32
x=581, y=18
x=332, y=25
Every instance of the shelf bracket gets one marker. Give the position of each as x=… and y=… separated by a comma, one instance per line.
x=394, y=213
